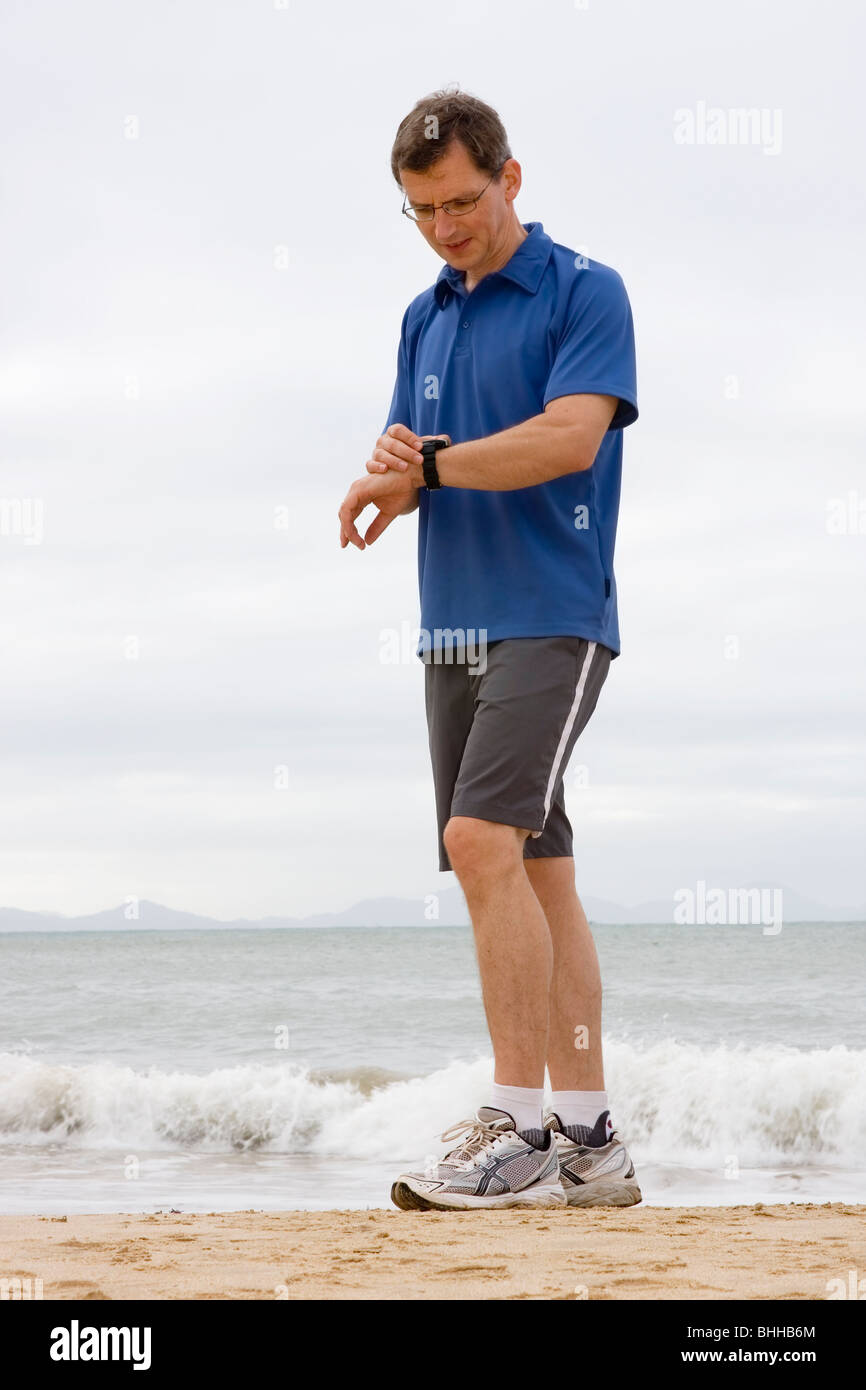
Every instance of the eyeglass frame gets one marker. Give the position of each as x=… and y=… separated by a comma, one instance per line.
x=406, y=213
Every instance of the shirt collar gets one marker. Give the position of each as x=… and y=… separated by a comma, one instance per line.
x=525, y=268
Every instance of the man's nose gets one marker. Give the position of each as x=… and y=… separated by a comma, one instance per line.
x=443, y=225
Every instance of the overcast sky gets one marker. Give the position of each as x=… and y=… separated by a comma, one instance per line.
x=204, y=270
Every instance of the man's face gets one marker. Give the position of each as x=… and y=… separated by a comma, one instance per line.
x=469, y=240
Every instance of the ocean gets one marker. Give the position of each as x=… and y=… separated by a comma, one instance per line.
x=215, y=1070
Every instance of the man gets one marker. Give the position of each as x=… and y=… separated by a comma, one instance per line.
x=519, y=363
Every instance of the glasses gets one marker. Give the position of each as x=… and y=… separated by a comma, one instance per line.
x=455, y=207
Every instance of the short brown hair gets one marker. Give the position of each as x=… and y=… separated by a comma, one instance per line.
x=453, y=116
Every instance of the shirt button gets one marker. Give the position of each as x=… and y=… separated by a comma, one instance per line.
x=466, y=323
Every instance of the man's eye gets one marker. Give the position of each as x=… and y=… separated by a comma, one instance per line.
x=460, y=205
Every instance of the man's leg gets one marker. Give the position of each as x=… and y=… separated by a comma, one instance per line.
x=505, y=1156
x=575, y=992
x=512, y=941
x=577, y=1074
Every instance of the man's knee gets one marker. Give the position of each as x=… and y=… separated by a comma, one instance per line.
x=476, y=845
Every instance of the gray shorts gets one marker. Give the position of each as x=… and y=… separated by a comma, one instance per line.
x=502, y=731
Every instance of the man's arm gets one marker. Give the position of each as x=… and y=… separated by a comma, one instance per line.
x=564, y=439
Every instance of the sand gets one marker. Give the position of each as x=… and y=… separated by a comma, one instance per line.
x=789, y=1251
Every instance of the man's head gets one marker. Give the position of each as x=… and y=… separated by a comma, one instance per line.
x=453, y=147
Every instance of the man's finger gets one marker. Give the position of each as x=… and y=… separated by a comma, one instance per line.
x=403, y=434
x=390, y=459
x=348, y=512
x=396, y=454
x=376, y=527
x=401, y=441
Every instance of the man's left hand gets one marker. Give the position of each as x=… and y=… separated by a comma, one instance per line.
x=394, y=495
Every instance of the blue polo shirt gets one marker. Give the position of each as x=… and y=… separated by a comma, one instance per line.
x=532, y=561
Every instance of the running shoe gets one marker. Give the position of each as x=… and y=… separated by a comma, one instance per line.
x=600, y=1176
x=491, y=1166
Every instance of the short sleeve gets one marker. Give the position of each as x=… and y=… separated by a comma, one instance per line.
x=595, y=352
x=401, y=399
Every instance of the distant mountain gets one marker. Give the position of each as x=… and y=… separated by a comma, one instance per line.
x=446, y=908
x=151, y=915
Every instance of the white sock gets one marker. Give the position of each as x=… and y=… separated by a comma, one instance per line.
x=522, y=1103
x=580, y=1107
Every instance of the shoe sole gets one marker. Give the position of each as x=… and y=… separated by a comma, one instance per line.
x=604, y=1194
x=404, y=1198
x=540, y=1196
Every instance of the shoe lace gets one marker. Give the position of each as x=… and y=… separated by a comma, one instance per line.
x=478, y=1136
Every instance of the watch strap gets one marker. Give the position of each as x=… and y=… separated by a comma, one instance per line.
x=428, y=453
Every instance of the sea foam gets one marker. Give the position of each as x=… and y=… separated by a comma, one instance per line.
x=671, y=1101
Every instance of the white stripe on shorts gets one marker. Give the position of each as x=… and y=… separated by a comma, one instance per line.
x=564, y=737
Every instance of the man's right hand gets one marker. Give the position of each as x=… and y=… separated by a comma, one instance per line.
x=396, y=448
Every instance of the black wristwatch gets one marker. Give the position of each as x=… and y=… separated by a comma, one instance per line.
x=428, y=451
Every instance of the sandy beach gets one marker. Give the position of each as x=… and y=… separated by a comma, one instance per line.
x=789, y=1251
